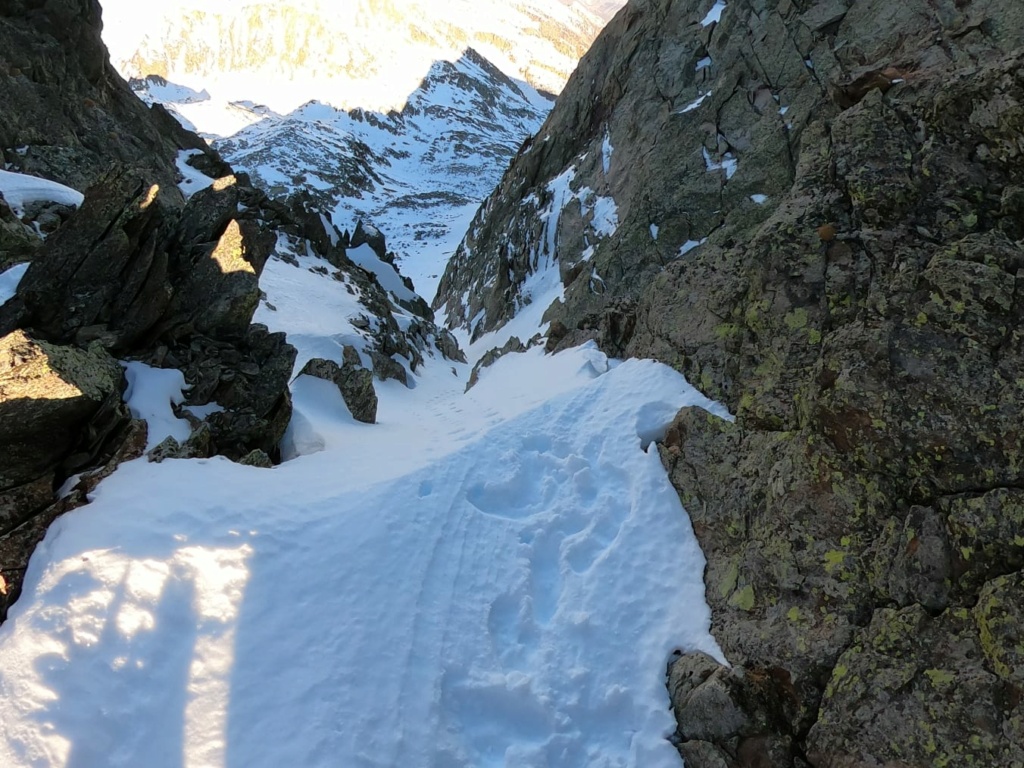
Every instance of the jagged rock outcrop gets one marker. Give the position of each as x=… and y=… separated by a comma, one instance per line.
x=136, y=272
x=174, y=285
x=354, y=382
x=817, y=220
x=48, y=393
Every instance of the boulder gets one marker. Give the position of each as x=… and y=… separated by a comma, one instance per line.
x=257, y=458
x=354, y=382
x=49, y=394
x=220, y=289
x=387, y=368
x=104, y=275
x=705, y=697
x=196, y=446
x=248, y=377
x=448, y=346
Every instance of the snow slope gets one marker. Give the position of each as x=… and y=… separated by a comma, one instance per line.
x=9, y=280
x=19, y=190
x=496, y=578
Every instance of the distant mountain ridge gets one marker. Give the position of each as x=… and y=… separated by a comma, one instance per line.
x=374, y=56
x=419, y=173
x=605, y=9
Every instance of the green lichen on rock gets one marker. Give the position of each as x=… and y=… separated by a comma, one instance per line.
x=931, y=671
x=999, y=615
x=744, y=598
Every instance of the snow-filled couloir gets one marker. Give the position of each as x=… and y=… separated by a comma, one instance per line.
x=491, y=577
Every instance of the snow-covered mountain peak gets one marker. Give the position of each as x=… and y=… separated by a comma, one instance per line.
x=419, y=172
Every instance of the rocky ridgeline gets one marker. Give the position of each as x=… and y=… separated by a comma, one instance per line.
x=541, y=40
x=465, y=119
x=139, y=272
x=819, y=221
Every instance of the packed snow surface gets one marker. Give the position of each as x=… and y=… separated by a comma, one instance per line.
x=491, y=578
x=9, y=280
x=714, y=15
x=20, y=190
x=149, y=396
x=496, y=579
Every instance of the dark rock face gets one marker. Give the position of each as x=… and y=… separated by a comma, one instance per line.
x=67, y=114
x=52, y=391
x=836, y=254
x=74, y=287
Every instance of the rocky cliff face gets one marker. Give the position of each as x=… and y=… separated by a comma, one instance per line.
x=817, y=218
x=66, y=114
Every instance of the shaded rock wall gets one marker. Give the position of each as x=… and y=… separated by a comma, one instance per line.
x=835, y=189
x=67, y=114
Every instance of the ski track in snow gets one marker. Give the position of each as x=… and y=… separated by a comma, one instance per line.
x=474, y=581
x=496, y=578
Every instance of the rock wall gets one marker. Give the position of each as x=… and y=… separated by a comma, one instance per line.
x=67, y=114
x=819, y=223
